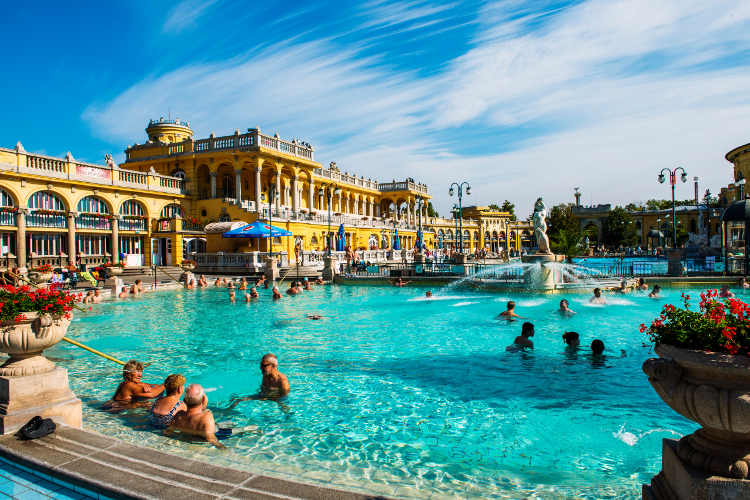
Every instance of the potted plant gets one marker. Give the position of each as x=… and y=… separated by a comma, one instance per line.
x=32, y=320
x=41, y=273
x=703, y=373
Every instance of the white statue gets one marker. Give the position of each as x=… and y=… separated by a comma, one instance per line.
x=540, y=227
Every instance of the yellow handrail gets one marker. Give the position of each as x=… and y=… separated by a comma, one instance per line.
x=75, y=343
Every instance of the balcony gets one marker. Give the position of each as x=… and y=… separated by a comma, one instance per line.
x=403, y=186
x=253, y=140
x=73, y=170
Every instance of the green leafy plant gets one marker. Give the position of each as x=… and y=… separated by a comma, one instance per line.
x=567, y=242
x=720, y=325
x=15, y=301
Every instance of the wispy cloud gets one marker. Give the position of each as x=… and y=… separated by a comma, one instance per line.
x=620, y=87
x=185, y=14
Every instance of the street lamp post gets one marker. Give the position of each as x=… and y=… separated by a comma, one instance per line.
x=672, y=182
x=328, y=192
x=459, y=189
x=271, y=199
x=455, y=221
x=420, y=206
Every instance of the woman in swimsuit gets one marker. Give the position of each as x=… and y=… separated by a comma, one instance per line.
x=166, y=407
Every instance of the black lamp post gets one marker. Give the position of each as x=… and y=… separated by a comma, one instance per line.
x=459, y=188
x=271, y=199
x=329, y=190
x=672, y=182
x=420, y=205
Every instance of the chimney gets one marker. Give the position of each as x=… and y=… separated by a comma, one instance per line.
x=695, y=179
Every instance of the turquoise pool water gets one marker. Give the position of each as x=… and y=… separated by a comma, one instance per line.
x=395, y=394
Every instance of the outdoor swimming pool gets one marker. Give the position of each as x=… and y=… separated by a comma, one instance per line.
x=395, y=394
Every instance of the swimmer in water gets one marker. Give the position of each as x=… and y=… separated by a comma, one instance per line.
x=725, y=293
x=253, y=293
x=597, y=298
x=399, y=282
x=428, y=294
x=623, y=287
x=655, y=292
x=597, y=349
x=231, y=296
x=565, y=308
x=523, y=341
x=314, y=316
x=642, y=286
x=276, y=293
x=572, y=341
x=509, y=313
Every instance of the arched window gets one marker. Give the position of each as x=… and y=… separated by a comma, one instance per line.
x=171, y=211
x=132, y=216
x=467, y=235
x=46, y=209
x=7, y=209
x=93, y=214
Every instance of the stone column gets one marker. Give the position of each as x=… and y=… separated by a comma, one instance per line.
x=72, y=238
x=414, y=213
x=115, y=241
x=295, y=196
x=278, y=190
x=213, y=184
x=258, y=170
x=21, y=239
x=238, y=184
x=356, y=204
x=311, y=197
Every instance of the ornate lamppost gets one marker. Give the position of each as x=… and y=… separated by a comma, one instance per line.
x=271, y=200
x=459, y=190
x=672, y=182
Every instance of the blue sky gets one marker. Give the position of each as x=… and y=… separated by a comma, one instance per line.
x=519, y=98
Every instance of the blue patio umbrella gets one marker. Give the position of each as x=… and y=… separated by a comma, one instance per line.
x=396, y=243
x=341, y=239
x=256, y=230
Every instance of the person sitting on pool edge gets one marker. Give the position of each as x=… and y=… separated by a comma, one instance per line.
x=196, y=420
x=597, y=298
x=166, y=407
x=523, y=341
x=274, y=382
x=509, y=312
x=131, y=387
x=565, y=308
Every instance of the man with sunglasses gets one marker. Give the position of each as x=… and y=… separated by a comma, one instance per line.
x=274, y=382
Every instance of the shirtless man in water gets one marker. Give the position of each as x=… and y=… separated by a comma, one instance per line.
x=196, y=420
x=510, y=312
x=274, y=382
x=132, y=388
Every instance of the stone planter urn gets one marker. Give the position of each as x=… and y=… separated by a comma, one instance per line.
x=25, y=341
x=31, y=384
x=40, y=277
x=712, y=390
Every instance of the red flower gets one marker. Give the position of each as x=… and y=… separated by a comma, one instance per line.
x=19, y=318
x=642, y=328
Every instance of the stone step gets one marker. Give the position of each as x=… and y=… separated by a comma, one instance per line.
x=116, y=469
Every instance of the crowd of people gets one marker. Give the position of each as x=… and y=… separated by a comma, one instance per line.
x=183, y=408
x=250, y=292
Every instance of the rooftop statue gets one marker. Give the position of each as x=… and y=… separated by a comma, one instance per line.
x=540, y=227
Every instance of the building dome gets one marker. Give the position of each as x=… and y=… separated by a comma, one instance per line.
x=168, y=131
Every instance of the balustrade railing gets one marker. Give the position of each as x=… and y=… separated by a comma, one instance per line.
x=34, y=219
x=7, y=219
x=250, y=140
x=93, y=222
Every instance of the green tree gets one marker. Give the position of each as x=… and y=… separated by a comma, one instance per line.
x=567, y=242
x=561, y=219
x=619, y=229
x=431, y=212
x=509, y=207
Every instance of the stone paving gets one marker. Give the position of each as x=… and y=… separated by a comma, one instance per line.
x=109, y=468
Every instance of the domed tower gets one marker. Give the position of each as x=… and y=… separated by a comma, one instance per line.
x=168, y=131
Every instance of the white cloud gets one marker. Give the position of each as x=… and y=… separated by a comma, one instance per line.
x=185, y=14
x=627, y=84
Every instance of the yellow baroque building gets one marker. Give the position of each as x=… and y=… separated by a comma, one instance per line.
x=153, y=208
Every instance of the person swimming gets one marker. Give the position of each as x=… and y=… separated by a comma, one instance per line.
x=314, y=316
x=642, y=286
x=523, y=341
x=253, y=293
x=597, y=298
x=565, y=308
x=655, y=292
x=509, y=312
x=276, y=293
x=572, y=341
x=428, y=294
x=725, y=293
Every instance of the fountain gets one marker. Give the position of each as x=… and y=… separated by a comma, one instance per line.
x=543, y=271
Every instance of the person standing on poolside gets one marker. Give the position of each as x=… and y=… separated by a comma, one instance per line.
x=510, y=312
x=274, y=382
x=565, y=308
x=597, y=298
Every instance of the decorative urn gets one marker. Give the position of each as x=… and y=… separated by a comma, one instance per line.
x=25, y=340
